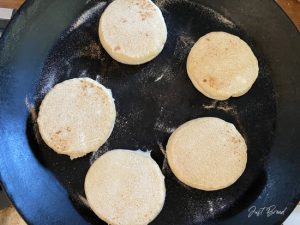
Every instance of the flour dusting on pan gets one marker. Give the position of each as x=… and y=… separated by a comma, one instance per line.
x=86, y=16
x=223, y=105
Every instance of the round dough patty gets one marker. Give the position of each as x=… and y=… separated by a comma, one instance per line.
x=125, y=187
x=221, y=65
x=207, y=153
x=76, y=117
x=10, y=216
x=132, y=31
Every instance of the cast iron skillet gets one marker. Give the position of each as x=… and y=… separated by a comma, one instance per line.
x=51, y=41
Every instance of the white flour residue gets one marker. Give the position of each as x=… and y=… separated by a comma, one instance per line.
x=157, y=75
x=121, y=124
x=159, y=78
x=83, y=200
x=159, y=126
x=196, y=215
x=184, y=43
x=94, y=51
x=166, y=73
x=103, y=149
x=222, y=19
x=212, y=105
x=120, y=131
x=78, y=198
x=83, y=73
x=162, y=3
x=99, y=78
x=69, y=68
x=200, y=211
x=211, y=207
x=224, y=106
x=86, y=15
x=90, y=49
x=90, y=46
x=47, y=83
x=165, y=167
x=185, y=40
x=32, y=110
x=221, y=203
x=161, y=148
x=216, y=206
x=219, y=17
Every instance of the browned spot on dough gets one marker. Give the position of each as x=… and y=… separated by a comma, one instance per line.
x=212, y=82
x=235, y=140
x=145, y=14
x=58, y=132
x=59, y=143
x=147, y=9
x=204, y=80
x=226, y=49
x=207, y=39
x=124, y=20
x=85, y=85
x=147, y=35
x=117, y=48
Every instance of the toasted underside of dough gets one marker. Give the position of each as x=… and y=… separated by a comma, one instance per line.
x=76, y=117
x=221, y=65
x=207, y=153
x=10, y=216
x=125, y=187
x=132, y=31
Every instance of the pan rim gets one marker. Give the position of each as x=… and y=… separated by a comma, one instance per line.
x=6, y=32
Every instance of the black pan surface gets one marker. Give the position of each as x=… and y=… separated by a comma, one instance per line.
x=51, y=41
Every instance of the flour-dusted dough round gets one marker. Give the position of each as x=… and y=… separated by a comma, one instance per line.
x=221, y=65
x=76, y=117
x=207, y=153
x=132, y=31
x=10, y=216
x=125, y=187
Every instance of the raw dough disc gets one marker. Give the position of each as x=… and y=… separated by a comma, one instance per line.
x=132, y=31
x=76, y=117
x=125, y=187
x=207, y=153
x=10, y=216
x=221, y=65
